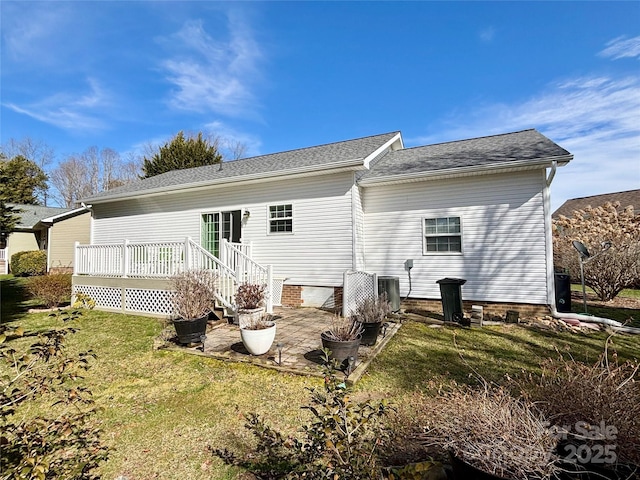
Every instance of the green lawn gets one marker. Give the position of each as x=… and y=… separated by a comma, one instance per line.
x=161, y=409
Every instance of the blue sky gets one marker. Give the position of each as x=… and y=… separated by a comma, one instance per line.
x=283, y=75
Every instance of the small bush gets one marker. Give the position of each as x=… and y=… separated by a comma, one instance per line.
x=250, y=296
x=30, y=263
x=342, y=441
x=372, y=311
x=52, y=290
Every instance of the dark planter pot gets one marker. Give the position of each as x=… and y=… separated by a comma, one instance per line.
x=370, y=332
x=190, y=331
x=463, y=471
x=341, y=350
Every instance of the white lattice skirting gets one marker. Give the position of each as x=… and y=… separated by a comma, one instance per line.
x=136, y=296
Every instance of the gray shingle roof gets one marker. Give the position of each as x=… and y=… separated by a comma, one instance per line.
x=626, y=198
x=30, y=215
x=476, y=152
x=320, y=157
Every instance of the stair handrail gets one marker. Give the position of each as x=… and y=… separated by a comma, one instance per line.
x=227, y=281
x=247, y=270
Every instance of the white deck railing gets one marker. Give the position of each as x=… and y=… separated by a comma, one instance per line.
x=5, y=263
x=166, y=259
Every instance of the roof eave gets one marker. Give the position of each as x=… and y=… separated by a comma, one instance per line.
x=475, y=170
x=344, y=165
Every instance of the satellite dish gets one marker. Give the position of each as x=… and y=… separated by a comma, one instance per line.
x=579, y=246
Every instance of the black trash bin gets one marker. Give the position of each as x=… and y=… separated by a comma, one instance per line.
x=563, y=292
x=451, y=294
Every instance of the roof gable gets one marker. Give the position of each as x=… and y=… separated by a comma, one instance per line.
x=505, y=150
x=30, y=215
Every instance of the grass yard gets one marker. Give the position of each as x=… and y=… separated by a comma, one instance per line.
x=160, y=410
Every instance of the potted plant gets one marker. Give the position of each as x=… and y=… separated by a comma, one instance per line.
x=250, y=302
x=342, y=339
x=192, y=300
x=370, y=314
x=258, y=334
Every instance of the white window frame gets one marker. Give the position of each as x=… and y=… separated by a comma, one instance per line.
x=271, y=219
x=443, y=234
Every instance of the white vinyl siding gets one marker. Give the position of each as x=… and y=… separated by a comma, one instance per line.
x=318, y=252
x=503, y=241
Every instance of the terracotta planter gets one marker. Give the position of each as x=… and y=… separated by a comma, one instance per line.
x=258, y=342
x=341, y=350
x=189, y=331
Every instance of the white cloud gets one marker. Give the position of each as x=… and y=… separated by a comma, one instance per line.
x=29, y=30
x=68, y=111
x=596, y=118
x=214, y=75
x=252, y=143
x=622, y=47
x=487, y=34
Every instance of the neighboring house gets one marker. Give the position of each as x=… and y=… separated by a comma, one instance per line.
x=626, y=198
x=63, y=231
x=476, y=209
x=48, y=228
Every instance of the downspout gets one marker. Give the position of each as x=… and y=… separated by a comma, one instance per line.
x=551, y=289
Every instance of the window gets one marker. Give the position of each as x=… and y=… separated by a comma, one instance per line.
x=442, y=235
x=281, y=218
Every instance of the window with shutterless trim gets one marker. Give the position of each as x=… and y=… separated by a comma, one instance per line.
x=281, y=218
x=442, y=235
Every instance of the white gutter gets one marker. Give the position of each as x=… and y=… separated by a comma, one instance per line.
x=517, y=165
x=344, y=165
x=551, y=293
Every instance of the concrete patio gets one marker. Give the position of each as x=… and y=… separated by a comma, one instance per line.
x=297, y=346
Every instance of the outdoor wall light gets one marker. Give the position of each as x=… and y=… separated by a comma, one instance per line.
x=246, y=215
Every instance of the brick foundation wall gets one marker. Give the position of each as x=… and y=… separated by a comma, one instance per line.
x=291, y=296
x=489, y=309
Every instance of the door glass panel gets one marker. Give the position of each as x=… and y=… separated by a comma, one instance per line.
x=211, y=233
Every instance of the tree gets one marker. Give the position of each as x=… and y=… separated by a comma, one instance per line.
x=612, y=270
x=35, y=150
x=182, y=152
x=21, y=181
x=9, y=218
x=89, y=173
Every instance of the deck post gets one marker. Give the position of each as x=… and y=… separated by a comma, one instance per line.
x=75, y=257
x=187, y=254
x=125, y=258
x=269, y=288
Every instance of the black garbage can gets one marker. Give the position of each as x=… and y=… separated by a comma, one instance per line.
x=451, y=294
x=563, y=292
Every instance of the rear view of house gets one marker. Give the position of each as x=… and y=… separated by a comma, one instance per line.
x=476, y=209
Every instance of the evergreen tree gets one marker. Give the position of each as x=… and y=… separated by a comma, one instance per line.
x=21, y=180
x=181, y=153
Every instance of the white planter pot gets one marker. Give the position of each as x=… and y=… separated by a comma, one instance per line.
x=258, y=342
x=245, y=317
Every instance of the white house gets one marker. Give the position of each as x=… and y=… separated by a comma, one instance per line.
x=475, y=209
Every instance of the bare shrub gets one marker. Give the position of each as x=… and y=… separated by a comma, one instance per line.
x=372, y=311
x=259, y=322
x=52, y=290
x=490, y=430
x=343, y=329
x=194, y=293
x=571, y=394
x=612, y=271
x=250, y=296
